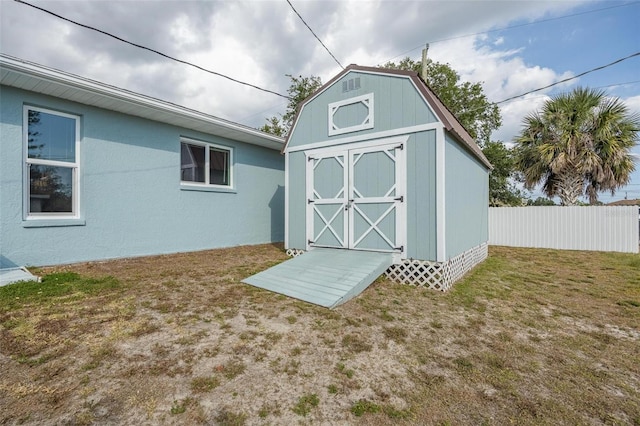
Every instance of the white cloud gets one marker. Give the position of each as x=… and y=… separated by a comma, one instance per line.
x=633, y=103
x=503, y=74
x=513, y=114
x=261, y=41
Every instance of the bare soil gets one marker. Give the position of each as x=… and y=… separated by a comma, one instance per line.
x=528, y=337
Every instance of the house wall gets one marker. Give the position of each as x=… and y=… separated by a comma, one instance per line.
x=131, y=200
x=466, y=199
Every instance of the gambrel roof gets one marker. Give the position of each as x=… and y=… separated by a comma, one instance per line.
x=450, y=122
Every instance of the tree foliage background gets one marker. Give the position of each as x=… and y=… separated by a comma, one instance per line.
x=299, y=90
x=480, y=118
x=577, y=145
x=465, y=100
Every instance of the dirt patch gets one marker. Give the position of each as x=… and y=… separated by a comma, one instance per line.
x=529, y=337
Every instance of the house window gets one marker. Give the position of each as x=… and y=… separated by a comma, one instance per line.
x=52, y=163
x=205, y=164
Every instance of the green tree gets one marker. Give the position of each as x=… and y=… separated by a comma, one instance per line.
x=502, y=189
x=578, y=144
x=541, y=201
x=465, y=100
x=299, y=90
x=480, y=117
x=275, y=126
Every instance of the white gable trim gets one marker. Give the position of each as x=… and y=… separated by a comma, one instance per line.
x=367, y=137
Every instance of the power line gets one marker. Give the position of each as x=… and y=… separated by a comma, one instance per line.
x=152, y=50
x=597, y=87
x=314, y=34
x=571, y=78
x=514, y=26
x=617, y=84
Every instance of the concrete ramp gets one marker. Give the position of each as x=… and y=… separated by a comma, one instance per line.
x=325, y=277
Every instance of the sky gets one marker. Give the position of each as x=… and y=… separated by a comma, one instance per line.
x=511, y=47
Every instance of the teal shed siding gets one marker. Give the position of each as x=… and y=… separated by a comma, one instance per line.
x=131, y=200
x=397, y=104
x=297, y=200
x=467, y=199
x=421, y=196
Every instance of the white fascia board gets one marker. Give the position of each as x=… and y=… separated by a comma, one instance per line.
x=370, y=137
x=125, y=97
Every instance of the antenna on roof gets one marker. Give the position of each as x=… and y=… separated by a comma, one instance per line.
x=423, y=72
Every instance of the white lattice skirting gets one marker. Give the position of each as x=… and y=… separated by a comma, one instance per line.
x=434, y=275
x=437, y=275
x=294, y=252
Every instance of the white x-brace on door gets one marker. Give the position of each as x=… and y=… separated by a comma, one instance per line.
x=356, y=198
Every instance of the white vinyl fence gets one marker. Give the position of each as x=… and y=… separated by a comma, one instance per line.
x=598, y=228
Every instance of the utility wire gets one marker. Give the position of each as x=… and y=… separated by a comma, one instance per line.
x=152, y=50
x=570, y=78
x=514, y=26
x=597, y=87
x=287, y=97
x=314, y=34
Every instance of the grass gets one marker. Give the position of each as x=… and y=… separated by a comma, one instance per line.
x=364, y=406
x=528, y=337
x=204, y=384
x=63, y=286
x=305, y=404
x=233, y=369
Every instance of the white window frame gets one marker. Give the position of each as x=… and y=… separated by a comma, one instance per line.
x=367, y=123
x=75, y=169
x=207, y=146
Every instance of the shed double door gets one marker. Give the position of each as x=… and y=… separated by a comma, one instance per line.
x=355, y=198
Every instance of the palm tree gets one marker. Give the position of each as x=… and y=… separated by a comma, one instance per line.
x=578, y=144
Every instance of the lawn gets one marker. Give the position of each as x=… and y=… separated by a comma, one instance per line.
x=528, y=337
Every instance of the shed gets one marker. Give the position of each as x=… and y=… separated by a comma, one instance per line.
x=376, y=163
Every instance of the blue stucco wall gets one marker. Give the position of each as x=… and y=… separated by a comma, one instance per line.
x=131, y=200
x=466, y=199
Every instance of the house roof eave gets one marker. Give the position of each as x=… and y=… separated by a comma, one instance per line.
x=34, y=77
